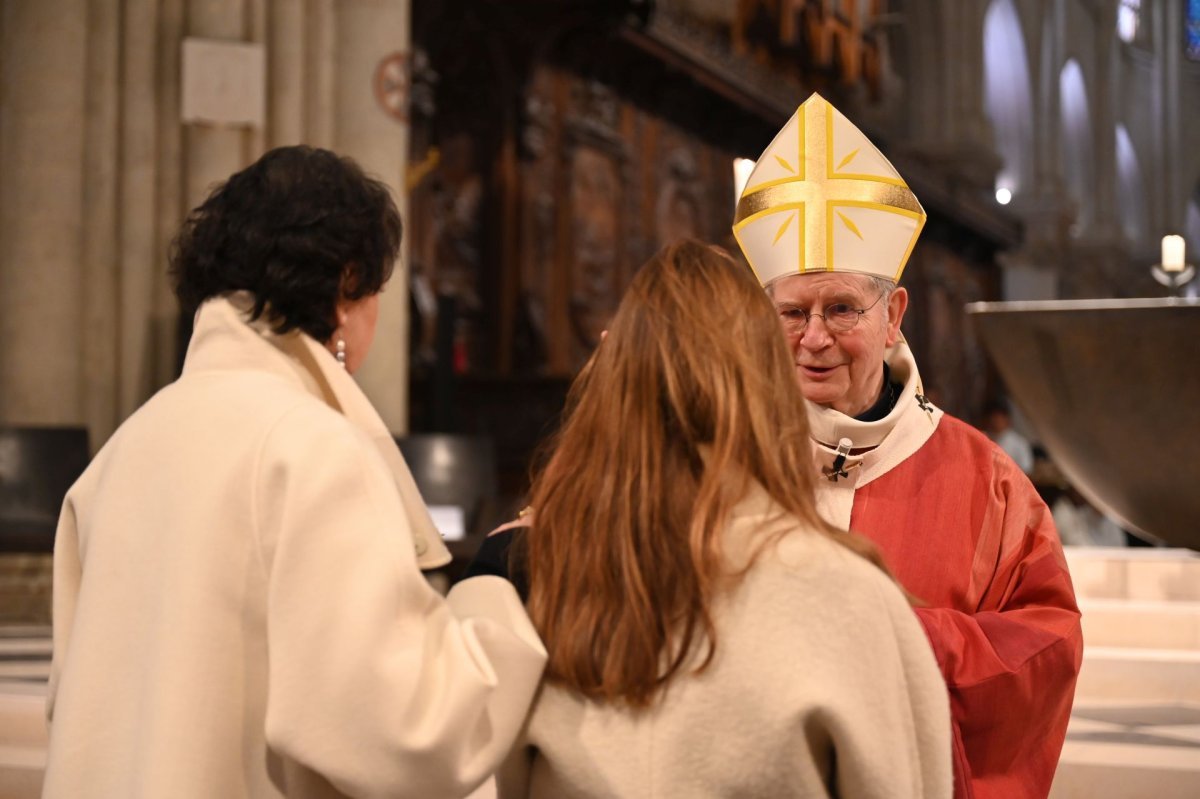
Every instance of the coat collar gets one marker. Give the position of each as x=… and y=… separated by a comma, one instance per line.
x=224, y=339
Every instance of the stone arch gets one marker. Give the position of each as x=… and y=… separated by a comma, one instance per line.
x=1077, y=151
x=1008, y=96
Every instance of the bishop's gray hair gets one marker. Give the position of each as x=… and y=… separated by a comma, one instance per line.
x=884, y=286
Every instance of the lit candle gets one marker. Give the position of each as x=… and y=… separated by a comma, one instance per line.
x=742, y=167
x=1172, y=253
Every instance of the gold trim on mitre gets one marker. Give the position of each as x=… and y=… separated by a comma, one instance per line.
x=823, y=198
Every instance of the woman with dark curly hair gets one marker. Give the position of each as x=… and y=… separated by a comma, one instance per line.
x=238, y=604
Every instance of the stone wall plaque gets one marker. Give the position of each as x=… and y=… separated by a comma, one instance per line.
x=223, y=83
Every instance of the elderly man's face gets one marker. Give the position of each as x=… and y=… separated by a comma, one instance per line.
x=839, y=370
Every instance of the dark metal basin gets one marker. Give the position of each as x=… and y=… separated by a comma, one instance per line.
x=1112, y=388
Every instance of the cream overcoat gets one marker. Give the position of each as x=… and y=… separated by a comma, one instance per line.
x=822, y=685
x=238, y=606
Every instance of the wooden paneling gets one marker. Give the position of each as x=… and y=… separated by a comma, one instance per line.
x=562, y=144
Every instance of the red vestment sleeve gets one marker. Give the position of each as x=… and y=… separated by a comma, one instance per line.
x=1011, y=665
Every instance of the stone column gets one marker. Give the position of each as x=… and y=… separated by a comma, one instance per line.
x=954, y=41
x=1104, y=121
x=302, y=67
x=1047, y=129
x=924, y=87
x=43, y=64
x=150, y=201
x=962, y=141
x=1030, y=273
x=367, y=32
x=213, y=153
x=287, y=53
x=99, y=258
x=321, y=68
x=1174, y=193
x=977, y=128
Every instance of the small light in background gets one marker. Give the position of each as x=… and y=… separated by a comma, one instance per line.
x=742, y=167
x=1003, y=196
x=1129, y=19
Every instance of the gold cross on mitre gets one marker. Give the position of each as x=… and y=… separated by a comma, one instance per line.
x=823, y=198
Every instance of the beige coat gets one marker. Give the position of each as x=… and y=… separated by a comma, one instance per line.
x=238, y=608
x=823, y=685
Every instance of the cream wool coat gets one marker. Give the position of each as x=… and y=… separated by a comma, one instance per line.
x=823, y=685
x=238, y=607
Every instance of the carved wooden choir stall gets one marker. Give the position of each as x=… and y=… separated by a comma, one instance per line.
x=556, y=145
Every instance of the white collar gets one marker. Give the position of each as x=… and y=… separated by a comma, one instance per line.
x=905, y=429
x=829, y=427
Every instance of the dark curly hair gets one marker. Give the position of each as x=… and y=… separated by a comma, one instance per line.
x=300, y=229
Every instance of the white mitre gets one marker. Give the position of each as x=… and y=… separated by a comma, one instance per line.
x=823, y=198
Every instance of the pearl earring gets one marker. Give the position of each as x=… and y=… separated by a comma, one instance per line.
x=341, y=352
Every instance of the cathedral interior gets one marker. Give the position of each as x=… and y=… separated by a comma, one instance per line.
x=540, y=151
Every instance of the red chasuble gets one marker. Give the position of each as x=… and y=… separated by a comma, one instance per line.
x=963, y=529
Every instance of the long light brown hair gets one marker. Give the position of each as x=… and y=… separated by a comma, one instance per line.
x=692, y=395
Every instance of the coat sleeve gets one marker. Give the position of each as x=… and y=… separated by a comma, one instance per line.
x=67, y=575
x=889, y=719
x=1011, y=666
x=376, y=682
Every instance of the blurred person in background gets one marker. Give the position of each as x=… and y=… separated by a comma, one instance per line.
x=1081, y=524
x=997, y=424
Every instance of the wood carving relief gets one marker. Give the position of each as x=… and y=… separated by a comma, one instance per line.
x=455, y=113
x=605, y=184
x=444, y=228
x=539, y=144
x=595, y=160
x=835, y=38
x=679, y=212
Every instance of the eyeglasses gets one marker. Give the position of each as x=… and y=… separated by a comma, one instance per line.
x=839, y=317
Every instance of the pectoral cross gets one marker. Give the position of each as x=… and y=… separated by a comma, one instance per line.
x=836, y=471
x=925, y=404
